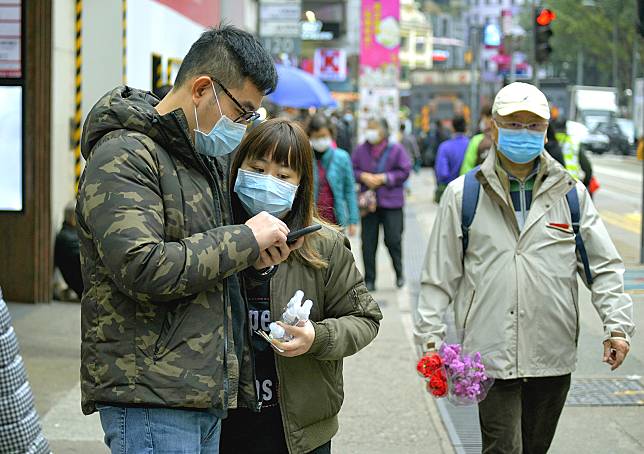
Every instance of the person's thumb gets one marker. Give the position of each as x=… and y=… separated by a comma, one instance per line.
x=606, y=351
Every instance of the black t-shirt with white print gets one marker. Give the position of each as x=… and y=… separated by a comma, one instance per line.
x=245, y=431
x=259, y=317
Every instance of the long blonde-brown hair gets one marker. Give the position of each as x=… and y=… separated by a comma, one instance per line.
x=284, y=142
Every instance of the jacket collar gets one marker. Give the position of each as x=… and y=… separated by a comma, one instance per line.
x=327, y=157
x=551, y=184
x=548, y=176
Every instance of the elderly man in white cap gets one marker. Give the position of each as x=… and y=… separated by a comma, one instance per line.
x=507, y=245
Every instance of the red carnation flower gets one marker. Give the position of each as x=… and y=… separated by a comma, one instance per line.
x=437, y=384
x=439, y=391
x=435, y=362
x=436, y=381
x=429, y=364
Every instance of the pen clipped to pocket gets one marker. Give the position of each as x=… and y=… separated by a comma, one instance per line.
x=264, y=336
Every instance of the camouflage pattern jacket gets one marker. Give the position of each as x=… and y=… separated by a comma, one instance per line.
x=159, y=258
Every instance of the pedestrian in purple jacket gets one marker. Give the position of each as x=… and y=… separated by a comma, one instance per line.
x=382, y=167
x=449, y=158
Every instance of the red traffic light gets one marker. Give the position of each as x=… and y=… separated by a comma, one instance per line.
x=545, y=17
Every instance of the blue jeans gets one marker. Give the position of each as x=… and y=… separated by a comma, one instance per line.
x=138, y=430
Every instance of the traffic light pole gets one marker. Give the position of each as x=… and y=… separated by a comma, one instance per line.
x=642, y=219
x=535, y=64
x=640, y=29
x=475, y=76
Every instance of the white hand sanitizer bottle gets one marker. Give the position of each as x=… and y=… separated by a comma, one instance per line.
x=304, y=312
x=277, y=332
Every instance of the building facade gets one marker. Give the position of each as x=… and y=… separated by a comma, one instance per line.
x=72, y=52
x=416, y=41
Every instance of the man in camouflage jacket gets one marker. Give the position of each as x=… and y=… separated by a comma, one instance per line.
x=158, y=253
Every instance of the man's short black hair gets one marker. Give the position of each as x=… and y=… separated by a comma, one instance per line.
x=230, y=55
x=459, y=123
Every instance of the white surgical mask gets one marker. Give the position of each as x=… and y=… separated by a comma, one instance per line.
x=223, y=138
x=372, y=136
x=321, y=144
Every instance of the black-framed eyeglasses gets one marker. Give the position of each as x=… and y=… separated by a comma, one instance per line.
x=540, y=126
x=246, y=116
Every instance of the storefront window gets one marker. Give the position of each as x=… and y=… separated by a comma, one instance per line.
x=11, y=197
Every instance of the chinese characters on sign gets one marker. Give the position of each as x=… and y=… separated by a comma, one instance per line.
x=379, y=63
x=279, y=28
x=10, y=39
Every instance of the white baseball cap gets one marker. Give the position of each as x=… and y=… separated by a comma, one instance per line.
x=519, y=96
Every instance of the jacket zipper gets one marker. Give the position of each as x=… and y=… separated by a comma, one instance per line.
x=467, y=314
x=215, y=195
x=226, y=379
x=574, y=303
x=279, y=382
x=524, y=204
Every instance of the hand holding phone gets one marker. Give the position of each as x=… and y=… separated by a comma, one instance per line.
x=293, y=236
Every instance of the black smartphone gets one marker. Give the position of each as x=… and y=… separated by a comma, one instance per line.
x=293, y=236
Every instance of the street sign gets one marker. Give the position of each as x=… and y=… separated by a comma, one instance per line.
x=330, y=64
x=280, y=18
x=276, y=45
x=280, y=12
x=312, y=31
x=443, y=77
x=284, y=29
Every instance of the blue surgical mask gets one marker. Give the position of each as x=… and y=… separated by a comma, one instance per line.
x=223, y=138
x=258, y=192
x=521, y=145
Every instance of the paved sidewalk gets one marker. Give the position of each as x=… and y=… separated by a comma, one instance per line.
x=386, y=408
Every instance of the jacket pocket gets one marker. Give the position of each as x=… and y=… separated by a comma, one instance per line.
x=172, y=320
x=331, y=371
x=558, y=233
x=163, y=336
x=563, y=228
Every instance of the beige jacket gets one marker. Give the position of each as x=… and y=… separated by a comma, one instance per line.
x=515, y=293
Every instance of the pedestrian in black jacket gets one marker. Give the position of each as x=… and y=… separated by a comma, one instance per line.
x=67, y=252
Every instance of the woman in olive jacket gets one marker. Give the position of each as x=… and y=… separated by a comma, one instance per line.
x=300, y=389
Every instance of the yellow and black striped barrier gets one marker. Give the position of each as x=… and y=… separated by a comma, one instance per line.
x=157, y=71
x=172, y=62
x=78, y=80
x=124, y=62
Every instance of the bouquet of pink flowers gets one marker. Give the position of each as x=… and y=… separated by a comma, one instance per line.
x=459, y=376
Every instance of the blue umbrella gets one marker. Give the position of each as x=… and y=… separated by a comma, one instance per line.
x=297, y=88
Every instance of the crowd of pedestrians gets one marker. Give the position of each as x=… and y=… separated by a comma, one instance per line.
x=189, y=218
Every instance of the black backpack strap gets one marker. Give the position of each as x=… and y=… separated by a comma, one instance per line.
x=573, y=203
x=471, y=190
